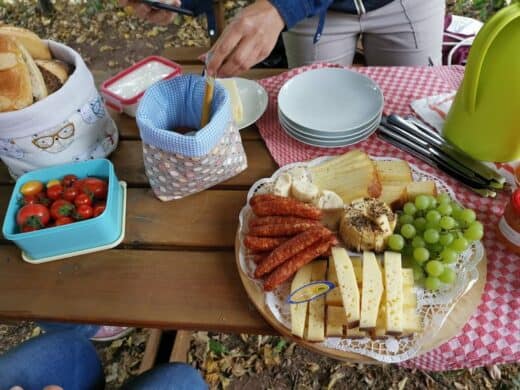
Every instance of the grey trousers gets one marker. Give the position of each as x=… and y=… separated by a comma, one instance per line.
x=404, y=32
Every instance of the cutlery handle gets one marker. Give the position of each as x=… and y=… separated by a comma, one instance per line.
x=168, y=7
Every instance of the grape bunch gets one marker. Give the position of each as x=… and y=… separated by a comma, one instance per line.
x=431, y=232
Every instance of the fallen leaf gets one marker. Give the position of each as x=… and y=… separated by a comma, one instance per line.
x=494, y=372
x=402, y=383
x=334, y=378
x=217, y=347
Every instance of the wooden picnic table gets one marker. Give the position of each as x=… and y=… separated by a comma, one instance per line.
x=175, y=268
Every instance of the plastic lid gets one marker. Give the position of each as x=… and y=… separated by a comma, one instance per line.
x=515, y=200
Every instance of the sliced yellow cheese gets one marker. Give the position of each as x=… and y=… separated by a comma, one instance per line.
x=394, y=293
x=236, y=102
x=411, y=321
x=316, y=322
x=299, y=311
x=336, y=321
x=358, y=269
x=348, y=285
x=416, y=188
x=371, y=292
x=408, y=277
x=333, y=298
x=356, y=333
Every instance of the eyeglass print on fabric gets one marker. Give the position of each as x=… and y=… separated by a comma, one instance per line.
x=55, y=142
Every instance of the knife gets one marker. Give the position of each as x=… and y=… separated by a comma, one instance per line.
x=167, y=7
x=477, y=166
x=434, y=160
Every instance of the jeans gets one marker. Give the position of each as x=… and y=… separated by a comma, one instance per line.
x=87, y=331
x=69, y=360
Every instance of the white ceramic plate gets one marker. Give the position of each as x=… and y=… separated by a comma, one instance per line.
x=254, y=101
x=330, y=99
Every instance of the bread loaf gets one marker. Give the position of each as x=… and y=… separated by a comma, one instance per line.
x=15, y=82
x=54, y=73
x=32, y=42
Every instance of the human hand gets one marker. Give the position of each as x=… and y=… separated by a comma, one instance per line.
x=151, y=14
x=247, y=39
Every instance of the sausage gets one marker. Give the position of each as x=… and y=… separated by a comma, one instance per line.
x=258, y=258
x=280, y=229
x=263, y=244
x=289, y=268
x=271, y=220
x=263, y=198
x=285, y=207
x=290, y=248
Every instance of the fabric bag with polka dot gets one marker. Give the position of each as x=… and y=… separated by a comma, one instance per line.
x=181, y=162
x=68, y=125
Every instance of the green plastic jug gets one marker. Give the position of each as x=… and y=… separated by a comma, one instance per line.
x=484, y=119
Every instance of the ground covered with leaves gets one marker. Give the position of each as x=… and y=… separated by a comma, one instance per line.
x=109, y=37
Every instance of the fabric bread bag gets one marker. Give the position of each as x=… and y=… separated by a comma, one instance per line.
x=177, y=163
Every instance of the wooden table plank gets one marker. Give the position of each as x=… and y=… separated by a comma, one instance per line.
x=138, y=288
x=128, y=160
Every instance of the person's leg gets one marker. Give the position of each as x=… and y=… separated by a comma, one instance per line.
x=84, y=330
x=337, y=44
x=404, y=32
x=176, y=376
x=65, y=359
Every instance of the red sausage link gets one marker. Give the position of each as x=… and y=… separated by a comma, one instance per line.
x=281, y=206
x=290, y=248
x=280, y=230
x=289, y=268
x=272, y=220
x=263, y=244
x=262, y=198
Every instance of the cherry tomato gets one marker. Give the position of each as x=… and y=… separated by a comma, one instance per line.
x=70, y=193
x=27, y=228
x=61, y=208
x=55, y=192
x=93, y=186
x=84, y=212
x=82, y=199
x=34, y=215
x=29, y=199
x=63, y=221
x=32, y=187
x=68, y=180
x=99, y=208
x=53, y=182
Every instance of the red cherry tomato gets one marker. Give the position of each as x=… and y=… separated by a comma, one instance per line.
x=82, y=199
x=70, y=193
x=99, y=208
x=29, y=199
x=55, y=192
x=61, y=208
x=93, y=186
x=84, y=212
x=27, y=228
x=69, y=180
x=33, y=215
x=63, y=221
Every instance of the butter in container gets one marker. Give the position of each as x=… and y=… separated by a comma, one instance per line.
x=123, y=91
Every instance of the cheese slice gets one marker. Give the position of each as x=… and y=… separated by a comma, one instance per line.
x=347, y=285
x=316, y=323
x=236, y=102
x=299, y=310
x=333, y=298
x=408, y=279
x=411, y=321
x=358, y=269
x=371, y=292
x=336, y=321
x=356, y=333
x=394, y=293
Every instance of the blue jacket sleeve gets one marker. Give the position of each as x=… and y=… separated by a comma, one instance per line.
x=293, y=11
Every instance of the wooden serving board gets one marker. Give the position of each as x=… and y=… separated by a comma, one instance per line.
x=460, y=314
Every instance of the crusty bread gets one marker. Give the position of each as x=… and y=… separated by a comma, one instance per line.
x=15, y=81
x=31, y=41
x=54, y=73
x=39, y=90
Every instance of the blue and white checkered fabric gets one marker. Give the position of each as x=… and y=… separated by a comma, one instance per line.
x=175, y=103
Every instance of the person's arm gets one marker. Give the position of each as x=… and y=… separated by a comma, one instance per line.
x=252, y=34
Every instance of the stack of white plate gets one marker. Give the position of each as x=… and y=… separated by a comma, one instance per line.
x=330, y=107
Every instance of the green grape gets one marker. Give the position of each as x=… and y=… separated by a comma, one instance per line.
x=448, y=276
x=446, y=239
x=407, y=251
x=409, y=208
x=467, y=216
x=474, y=232
x=443, y=198
x=422, y=202
x=420, y=255
x=449, y=256
x=418, y=242
x=432, y=283
x=433, y=216
x=433, y=201
x=447, y=222
x=459, y=245
x=435, y=248
x=432, y=225
x=434, y=268
x=445, y=209
x=419, y=224
x=396, y=242
x=405, y=218
x=431, y=236
x=407, y=231
x=418, y=272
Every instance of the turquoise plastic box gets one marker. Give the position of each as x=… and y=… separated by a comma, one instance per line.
x=79, y=236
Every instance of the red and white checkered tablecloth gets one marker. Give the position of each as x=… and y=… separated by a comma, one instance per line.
x=492, y=335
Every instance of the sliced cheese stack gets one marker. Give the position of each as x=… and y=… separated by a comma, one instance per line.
x=372, y=292
x=347, y=284
x=394, y=293
x=299, y=310
x=316, y=322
